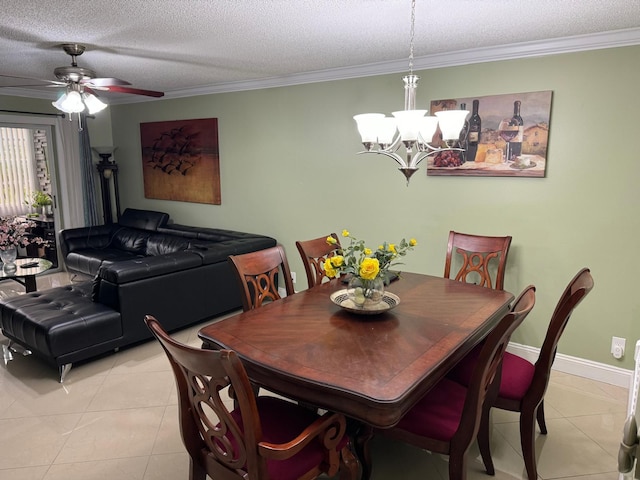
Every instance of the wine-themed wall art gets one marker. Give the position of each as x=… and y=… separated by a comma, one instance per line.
x=181, y=161
x=504, y=136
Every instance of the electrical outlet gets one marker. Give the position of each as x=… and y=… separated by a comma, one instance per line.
x=617, y=347
x=293, y=277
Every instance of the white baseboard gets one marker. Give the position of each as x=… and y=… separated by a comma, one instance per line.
x=578, y=366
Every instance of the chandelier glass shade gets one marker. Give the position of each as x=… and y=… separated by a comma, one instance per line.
x=410, y=131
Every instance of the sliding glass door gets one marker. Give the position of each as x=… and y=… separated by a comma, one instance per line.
x=28, y=182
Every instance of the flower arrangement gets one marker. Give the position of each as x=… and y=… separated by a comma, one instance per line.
x=15, y=233
x=361, y=261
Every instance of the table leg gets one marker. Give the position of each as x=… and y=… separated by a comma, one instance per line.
x=30, y=283
x=362, y=435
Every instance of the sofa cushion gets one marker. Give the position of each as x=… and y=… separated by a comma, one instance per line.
x=130, y=240
x=159, y=244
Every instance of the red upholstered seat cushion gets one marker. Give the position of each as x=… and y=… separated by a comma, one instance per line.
x=437, y=414
x=281, y=422
x=517, y=373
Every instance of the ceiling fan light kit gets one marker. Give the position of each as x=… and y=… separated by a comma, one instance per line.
x=70, y=102
x=92, y=103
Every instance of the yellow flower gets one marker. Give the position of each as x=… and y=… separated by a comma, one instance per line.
x=367, y=251
x=413, y=242
x=381, y=247
x=328, y=268
x=369, y=268
x=345, y=233
x=392, y=247
x=337, y=261
x=331, y=240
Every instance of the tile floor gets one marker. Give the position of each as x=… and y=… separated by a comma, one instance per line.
x=116, y=418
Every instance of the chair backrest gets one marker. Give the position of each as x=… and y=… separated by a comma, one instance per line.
x=479, y=256
x=257, y=273
x=209, y=432
x=574, y=293
x=489, y=360
x=314, y=253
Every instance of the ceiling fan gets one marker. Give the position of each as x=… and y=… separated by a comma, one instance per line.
x=81, y=84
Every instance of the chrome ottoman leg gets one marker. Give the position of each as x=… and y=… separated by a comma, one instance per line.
x=63, y=370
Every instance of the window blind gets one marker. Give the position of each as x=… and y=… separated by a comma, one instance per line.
x=17, y=169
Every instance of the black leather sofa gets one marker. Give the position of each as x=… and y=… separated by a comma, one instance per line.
x=141, y=265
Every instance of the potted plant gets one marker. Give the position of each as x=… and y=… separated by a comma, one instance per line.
x=40, y=201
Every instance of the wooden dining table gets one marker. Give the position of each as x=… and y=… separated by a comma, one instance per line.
x=371, y=368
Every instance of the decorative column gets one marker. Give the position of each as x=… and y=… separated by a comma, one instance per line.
x=108, y=171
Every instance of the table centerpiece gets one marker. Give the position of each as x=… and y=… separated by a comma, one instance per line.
x=367, y=269
x=14, y=233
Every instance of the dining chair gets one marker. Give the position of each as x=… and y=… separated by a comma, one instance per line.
x=523, y=384
x=314, y=253
x=478, y=257
x=262, y=438
x=257, y=273
x=446, y=420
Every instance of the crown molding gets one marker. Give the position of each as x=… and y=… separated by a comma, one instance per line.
x=597, y=41
x=578, y=43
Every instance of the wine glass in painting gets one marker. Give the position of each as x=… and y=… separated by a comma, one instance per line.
x=508, y=130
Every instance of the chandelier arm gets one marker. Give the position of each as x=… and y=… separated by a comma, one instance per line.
x=393, y=147
x=389, y=154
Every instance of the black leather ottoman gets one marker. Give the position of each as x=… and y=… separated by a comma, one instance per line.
x=62, y=325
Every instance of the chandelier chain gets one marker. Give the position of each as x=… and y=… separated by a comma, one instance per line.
x=412, y=35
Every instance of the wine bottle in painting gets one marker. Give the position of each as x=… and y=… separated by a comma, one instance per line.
x=463, y=140
x=473, y=135
x=515, y=145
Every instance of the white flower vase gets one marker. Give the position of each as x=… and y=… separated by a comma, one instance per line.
x=365, y=294
x=8, y=257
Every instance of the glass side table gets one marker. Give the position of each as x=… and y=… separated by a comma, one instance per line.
x=25, y=272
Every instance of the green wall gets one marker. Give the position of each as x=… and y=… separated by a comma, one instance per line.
x=289, y=169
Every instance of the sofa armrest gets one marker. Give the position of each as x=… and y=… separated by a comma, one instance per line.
x=82, y=238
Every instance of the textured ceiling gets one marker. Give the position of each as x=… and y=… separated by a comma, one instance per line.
x=187, y=47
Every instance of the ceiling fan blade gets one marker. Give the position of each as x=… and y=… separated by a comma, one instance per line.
x=30, y=82
x=105, y=82
x=135, y=91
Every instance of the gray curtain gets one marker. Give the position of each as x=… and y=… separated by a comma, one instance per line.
x=91, y=215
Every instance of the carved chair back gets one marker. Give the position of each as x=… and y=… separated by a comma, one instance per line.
x=314, y=253
x=258, y=272
x=478, y=258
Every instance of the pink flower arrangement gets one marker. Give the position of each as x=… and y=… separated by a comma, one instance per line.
x=16, y=233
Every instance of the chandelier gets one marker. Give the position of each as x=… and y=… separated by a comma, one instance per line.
x=76, y=100
x=410, y=128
